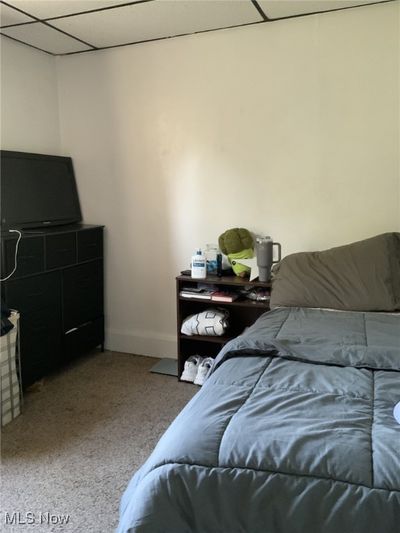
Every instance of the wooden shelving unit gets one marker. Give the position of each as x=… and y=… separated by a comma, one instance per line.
x=242, y=313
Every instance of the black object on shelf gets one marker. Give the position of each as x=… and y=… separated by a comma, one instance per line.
x=219, y=265
x=226, y=272
x=58, y=290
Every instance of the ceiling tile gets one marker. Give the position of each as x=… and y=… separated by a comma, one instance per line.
x=11, y=16
x=289, y=8
x=44, y=9
x=44, y=37
x=159, y=18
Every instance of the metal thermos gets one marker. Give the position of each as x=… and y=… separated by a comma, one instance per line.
x=265, y=256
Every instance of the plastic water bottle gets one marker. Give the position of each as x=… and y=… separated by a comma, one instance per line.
x=199, y=265
x=211, y=258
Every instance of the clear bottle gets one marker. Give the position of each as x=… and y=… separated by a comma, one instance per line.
x=211, y=258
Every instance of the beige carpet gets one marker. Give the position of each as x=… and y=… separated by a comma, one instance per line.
x=80, y=439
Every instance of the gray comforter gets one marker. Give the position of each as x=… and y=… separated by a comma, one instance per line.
x=292, y=433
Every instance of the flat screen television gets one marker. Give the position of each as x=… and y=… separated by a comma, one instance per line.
x=37, y=190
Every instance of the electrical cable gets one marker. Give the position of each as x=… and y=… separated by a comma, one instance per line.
x=16, y=254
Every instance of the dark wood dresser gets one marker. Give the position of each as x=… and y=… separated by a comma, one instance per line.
x=58, y=290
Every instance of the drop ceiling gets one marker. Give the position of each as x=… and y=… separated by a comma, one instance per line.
x=62, y=27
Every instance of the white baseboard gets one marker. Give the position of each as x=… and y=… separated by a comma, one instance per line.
x=141, y=342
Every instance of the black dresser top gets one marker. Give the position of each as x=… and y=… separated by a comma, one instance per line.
x=51, y=230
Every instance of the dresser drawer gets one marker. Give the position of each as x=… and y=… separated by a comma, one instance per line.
x=30, y=258
x=60, y=250
x=40, y=352
x=37, y=295
x=83, y=339
x=90, y=244
x=38, y=299
x=82, y=294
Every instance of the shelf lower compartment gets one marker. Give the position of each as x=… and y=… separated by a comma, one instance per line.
x=207, y=338
x=238, y=303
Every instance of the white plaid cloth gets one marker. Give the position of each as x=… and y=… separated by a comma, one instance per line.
x=10, y=390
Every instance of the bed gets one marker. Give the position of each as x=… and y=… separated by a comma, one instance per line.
x=292, y=432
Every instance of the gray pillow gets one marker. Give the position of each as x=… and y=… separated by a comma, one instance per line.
x=362, y=276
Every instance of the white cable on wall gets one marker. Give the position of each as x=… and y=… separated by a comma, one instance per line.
x=16, y=254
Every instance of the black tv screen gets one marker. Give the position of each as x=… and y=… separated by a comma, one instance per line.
x=37, y=190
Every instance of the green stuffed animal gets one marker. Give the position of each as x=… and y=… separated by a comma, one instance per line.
x=237, y=243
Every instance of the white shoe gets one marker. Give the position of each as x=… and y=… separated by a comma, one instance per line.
x=191, y=367
x=203, y=371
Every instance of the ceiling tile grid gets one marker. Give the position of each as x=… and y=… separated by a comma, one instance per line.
x=154, y=20
x=9, y=16
x=291, y=8
x=46, y=38
x=72, y=26
x=46, y=9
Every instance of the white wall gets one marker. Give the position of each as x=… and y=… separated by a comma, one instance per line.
x=289, y=129
x=29, y=101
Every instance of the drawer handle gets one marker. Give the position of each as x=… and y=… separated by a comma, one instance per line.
x=27, y=257
x=35, y=294
x=63, y=250
x=91, y=245
x=78, y=327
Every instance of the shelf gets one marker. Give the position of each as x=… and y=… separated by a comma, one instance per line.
x=226, y=280
x=206, y=338
x=239, y=303
x=243, y=313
